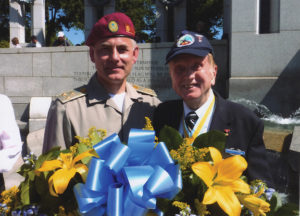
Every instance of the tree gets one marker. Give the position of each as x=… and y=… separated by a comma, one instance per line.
x=63, y=14
x=4, y=23
x=205, y=14
x=68, y=14
x=142, y=14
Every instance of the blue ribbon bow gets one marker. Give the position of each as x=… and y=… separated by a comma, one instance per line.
x=126, y=180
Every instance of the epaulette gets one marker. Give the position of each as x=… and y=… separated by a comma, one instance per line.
x=144, y=90
x=73, y=94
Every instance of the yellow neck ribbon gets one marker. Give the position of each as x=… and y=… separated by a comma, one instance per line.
x=200, y=125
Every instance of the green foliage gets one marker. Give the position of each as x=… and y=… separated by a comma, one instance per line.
x=4, y=23
x=193, y=187
x=215, y=139
x=4, y=44
x=290, y=209
x=278, y=208
x=171, y=137
x=141, y=13
x=35, y=187
x=63, y=13
x=70, y=14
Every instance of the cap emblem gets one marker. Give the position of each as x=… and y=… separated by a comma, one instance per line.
x=113, y=26
x=185, y=40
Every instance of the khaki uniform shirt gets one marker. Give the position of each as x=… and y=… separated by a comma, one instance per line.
x=76, y=115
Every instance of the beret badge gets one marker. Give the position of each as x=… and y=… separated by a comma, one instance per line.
x=113, y=26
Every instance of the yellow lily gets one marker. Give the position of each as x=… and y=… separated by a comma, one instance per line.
x=67, y=168
x=254, y=203
x=223, y=180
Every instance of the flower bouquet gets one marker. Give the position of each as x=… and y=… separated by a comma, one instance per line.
x=96, y=176
x=49, y=180
x=213, y=184
x=100, y=176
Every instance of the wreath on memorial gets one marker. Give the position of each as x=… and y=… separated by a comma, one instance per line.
x=102, y=176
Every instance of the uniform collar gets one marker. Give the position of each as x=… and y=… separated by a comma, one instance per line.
x=96, y=93
x=132, y=93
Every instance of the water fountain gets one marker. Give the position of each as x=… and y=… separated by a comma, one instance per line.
x=282, y=140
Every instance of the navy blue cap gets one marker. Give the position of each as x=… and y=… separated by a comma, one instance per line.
x=189, y=42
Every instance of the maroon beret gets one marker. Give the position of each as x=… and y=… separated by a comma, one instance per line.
x=111, y=25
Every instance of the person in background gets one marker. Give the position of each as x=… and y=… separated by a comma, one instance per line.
x=34, y=42
x=108, y=101
x=61, y=40
x=201, y=109
x=10, y=139
x=15, y=42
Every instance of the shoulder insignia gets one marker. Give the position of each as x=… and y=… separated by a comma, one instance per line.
x=144, y=90
x=73, y=94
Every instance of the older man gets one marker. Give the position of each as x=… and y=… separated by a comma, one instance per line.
x=193, y=73
x=108, y=101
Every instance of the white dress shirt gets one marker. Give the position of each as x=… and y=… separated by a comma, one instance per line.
x=200, y=113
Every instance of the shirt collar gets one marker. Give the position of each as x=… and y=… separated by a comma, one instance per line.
x=200, y=111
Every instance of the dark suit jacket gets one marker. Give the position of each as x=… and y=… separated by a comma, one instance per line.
x=246, y=131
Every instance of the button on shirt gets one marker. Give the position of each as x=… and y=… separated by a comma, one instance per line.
x=200, y=113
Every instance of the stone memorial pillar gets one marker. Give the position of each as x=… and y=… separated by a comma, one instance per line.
x=227, y=19
x=161, y=22
x=171, y=18
x=179, y=18
x=38, y=20
x=93, y=10
x=16, y=21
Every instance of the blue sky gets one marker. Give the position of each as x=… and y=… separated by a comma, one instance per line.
x=75, y=36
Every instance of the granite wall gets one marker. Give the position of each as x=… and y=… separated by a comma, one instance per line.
x=49, y=71
x=265, y=68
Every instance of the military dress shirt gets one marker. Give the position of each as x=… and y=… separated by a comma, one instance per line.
x=91, y=106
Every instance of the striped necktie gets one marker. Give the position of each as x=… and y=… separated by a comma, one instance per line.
x=190, y=120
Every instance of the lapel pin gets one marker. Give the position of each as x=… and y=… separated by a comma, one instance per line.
x=226, y=131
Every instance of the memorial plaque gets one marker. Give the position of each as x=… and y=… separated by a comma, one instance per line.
x=82, y=76
x=152, y=74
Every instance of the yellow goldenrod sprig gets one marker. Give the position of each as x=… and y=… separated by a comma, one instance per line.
x=9, y=198
x=186, y=154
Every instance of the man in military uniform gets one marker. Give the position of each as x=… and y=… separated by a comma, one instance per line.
x=107, y=101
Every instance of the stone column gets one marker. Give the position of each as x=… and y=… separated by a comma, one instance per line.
x=227, y=19
x=16, y=21
x=109, y=7
x=179, y=18
x=38, y=20
x=90, y=17
x=161, y=21
x=91, y=12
